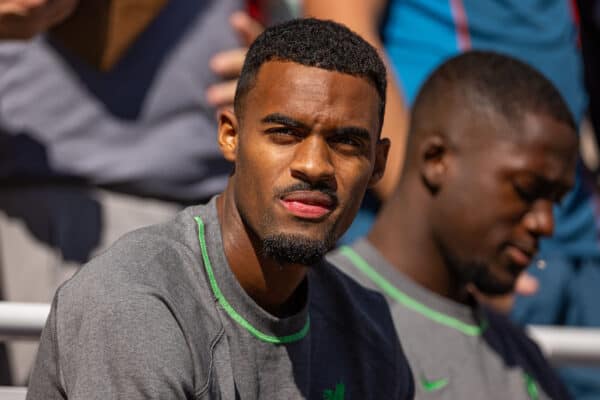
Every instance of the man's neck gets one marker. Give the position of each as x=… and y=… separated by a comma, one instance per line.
x=272, y=286
x=402, y=236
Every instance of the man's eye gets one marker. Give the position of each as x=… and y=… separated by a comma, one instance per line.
x=280, y=131
x=347, y=142
x=560, y=195
x=526, y=193
x=283, y=134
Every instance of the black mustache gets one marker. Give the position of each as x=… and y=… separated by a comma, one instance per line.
x=304, y=186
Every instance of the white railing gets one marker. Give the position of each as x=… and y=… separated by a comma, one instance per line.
x=12, y=393
x=562, y=345
x=22, y=320
x=567, y=345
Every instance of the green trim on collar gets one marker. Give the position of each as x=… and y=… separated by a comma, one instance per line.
x=531, y=387
x=231, y=311
x=407, y=301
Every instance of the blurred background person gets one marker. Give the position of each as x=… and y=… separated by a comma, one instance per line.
x=417, y=36
x=485, y=129
x=589, y=15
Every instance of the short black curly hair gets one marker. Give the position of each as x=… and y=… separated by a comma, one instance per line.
x=313, y=43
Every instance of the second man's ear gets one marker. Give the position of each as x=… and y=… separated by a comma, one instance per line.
x=433, y=153
x=228, y=134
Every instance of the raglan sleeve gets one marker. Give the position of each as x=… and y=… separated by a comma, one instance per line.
x=405, y=384
x=44, y=382
x=128, y=348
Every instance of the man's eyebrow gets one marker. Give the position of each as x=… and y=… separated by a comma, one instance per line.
x=281, y=119
x=554, y=181
x=557, y=184
x=355, y=131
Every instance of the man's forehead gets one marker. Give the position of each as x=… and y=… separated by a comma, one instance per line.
x=548, y=154
x=542, y=135
x=298, y=74
x=492, y=127
x=530, y=142
x=314, y=96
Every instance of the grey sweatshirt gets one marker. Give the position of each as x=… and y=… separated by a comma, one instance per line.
x=160, y=315
x=455, y=351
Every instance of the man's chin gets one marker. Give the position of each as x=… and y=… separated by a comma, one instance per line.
x=295, y=249
x=494, y=287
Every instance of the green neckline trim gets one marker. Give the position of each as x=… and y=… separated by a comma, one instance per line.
x=230, y=310
x=531, y=386
x=407, y=301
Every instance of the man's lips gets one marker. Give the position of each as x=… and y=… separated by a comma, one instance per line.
x=308, y=204
x=520, y=255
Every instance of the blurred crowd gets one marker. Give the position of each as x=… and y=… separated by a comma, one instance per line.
x=108, y=123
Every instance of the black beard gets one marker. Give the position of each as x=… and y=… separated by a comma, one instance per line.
x=295, y=249
x=477, y=273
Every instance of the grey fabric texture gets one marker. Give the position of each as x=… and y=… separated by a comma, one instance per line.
x=140, y=321
x=474, y=366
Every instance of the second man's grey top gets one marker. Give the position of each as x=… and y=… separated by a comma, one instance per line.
x=455, y=351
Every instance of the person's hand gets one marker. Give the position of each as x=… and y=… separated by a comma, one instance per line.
x=23, y=19
x=228, y=64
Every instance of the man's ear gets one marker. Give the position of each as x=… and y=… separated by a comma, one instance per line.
x=433, y=161
x=382, y=149
x=228, y=134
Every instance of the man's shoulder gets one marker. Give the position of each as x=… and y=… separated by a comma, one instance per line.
x=505, y=336
x=344, y=302
x=357, y=261
x=145, y=297
x=155, y=262
x=359, y=321
x=515, y=347
x=139, y=256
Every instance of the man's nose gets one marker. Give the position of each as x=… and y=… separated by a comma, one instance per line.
x=539, y=220
x=312, y=161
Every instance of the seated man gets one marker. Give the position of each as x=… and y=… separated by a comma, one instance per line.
x=232, y=299
x=492, y=146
